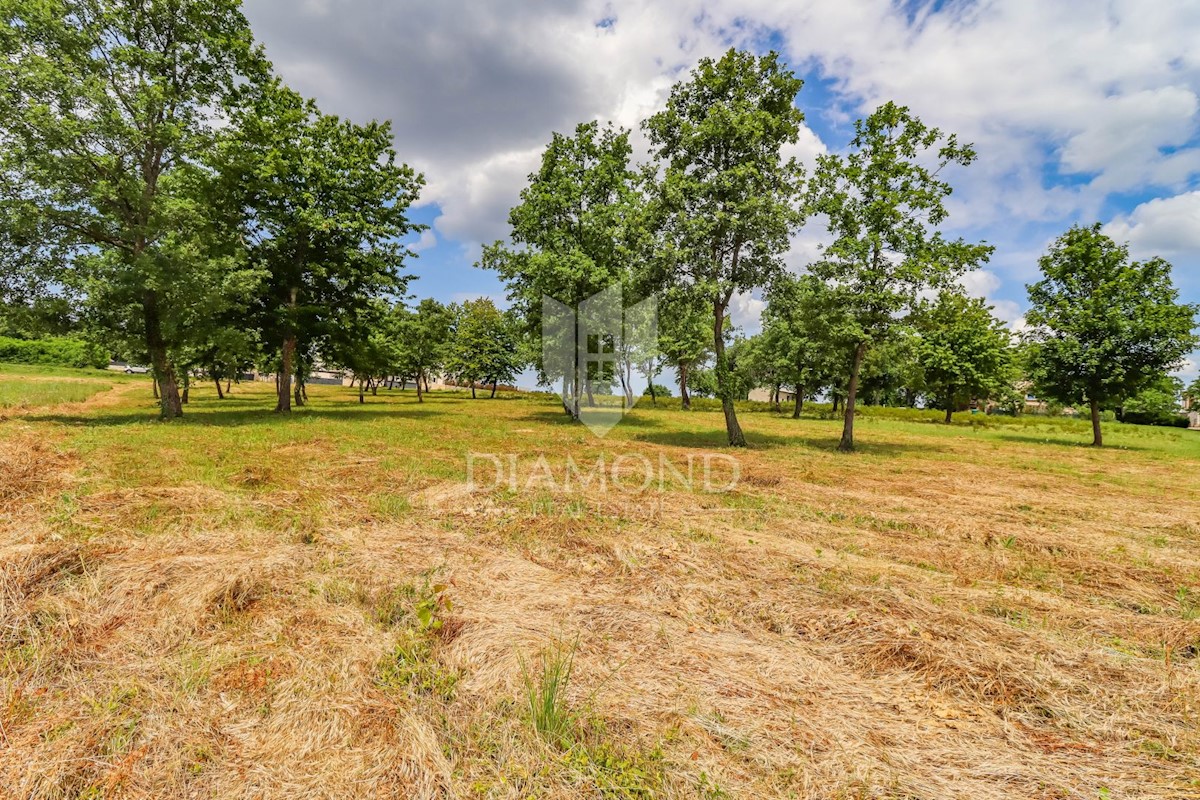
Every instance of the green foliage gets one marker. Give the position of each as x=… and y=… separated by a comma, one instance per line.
x=1160, y=397
x=659, y=390
x=412, y=665
x=485, y=347
x=108, y=113
x=616, y=772
x=324, y=205
x=422, y=338
x=725, y=204
x=1103, y=328
x=808, y=333
x=884, y=200
x=965, y=353
x=47, y=315
x=685, y=336
x=576, y=232
x=53, y=350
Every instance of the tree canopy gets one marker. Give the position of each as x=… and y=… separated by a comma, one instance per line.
x=1103, y=327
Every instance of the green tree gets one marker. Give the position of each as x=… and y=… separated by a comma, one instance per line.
x=684, y=335
x=485, y=347
x=810, y=332
x=964, y=351
x=725, y=201
x=424, y=340
x=573, y=234
x=884, y=200
x=106, y=106
x=1103, y=327
x=326, y=207
x=1158, y=400
x=1192, y=395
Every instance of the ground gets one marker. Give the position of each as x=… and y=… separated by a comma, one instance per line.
x=244, y=605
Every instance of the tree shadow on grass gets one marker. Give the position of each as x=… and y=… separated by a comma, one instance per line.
x=757, y=440
x=648, y=428
x=234, y=417
x=1082, y=442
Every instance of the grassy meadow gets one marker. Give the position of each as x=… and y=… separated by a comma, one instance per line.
x=243, y=605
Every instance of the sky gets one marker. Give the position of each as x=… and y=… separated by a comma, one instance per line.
x=1080, y=112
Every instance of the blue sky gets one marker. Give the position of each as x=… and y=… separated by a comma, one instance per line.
x=1080, y=112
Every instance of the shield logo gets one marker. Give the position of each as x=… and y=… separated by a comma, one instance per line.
x=601, y=356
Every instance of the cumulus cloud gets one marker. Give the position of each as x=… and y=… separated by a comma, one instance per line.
x=745, y=312
x=1065, y=108
x=1164, y=226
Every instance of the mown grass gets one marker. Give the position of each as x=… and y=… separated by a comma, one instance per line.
x=242, y=604
x=42, y=393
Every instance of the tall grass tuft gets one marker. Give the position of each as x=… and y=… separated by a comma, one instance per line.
x=546, y=693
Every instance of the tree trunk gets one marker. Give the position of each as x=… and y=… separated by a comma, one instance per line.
x=1097, y=437
x=494, y=384
x=283, y=379
x=420, y=394
x=683, y=392
x=220, y=394
x=187, y=385
x=847, y=443
x=949, y=413
x=799, y=403
x=374, y=388
x=170, y=404
x=361, y=383
x=591, y=397
x=653, y=395
x=154, y=385
x=732, y=428
x=775, y=399
x=473, y=389
x=228, y=384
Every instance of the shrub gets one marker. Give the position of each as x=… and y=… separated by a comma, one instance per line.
x=60, y=351
x=1165, y=419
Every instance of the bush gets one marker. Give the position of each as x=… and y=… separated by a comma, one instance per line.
x=60, y=351
x=1164, y=419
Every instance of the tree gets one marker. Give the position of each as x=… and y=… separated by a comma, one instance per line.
x=725, y=198
x=809, y=332
x=964, y=351
x=684, y=335
x=1192, y=395
x=572, y=237
x=424, y=340
x=1102, y=327
x=325, y=207
x=106, y=106
x=485, y=347
x=884, y=202
x=1158, y=400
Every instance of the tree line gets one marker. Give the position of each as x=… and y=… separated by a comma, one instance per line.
x=712, y=214
x=209, y=218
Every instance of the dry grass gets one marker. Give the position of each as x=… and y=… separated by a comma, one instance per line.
x=248, y=607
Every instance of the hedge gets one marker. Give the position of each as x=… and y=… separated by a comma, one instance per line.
x=60, y=351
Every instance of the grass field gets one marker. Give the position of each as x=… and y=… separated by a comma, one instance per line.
x=241, y=605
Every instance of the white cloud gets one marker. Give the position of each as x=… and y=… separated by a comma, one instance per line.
x=1164, y=226
x=426, y=240
x=745, y=313
x=1107, y=99
x=979, y=282
x=1188, y=371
